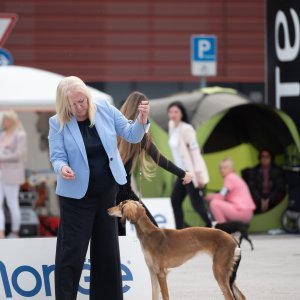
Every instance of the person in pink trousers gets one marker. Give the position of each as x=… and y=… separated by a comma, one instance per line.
x=234, y=201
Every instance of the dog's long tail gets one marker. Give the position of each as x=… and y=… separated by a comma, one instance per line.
x=237, y=258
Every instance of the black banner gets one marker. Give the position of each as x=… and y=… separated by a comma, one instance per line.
x=283, y=56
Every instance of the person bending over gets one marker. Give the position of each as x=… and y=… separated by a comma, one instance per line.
x=85, y=157
x=234, y=201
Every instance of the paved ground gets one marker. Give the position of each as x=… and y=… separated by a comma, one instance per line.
x=270, y=272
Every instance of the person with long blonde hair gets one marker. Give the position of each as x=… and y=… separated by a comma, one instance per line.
x=145, y=153
x=85, y=157
x=12, y=174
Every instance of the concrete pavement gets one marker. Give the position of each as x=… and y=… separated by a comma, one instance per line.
x=270, y=272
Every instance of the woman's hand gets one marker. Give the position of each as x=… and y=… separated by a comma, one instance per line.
x=144, y=110
x=200, y=183
x=264, y=205
x=67, y=173
x=187, y=178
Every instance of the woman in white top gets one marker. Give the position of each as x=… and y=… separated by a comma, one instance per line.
x=12, y=175
x=186, y=154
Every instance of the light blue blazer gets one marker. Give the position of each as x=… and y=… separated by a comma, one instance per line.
x=67, y=147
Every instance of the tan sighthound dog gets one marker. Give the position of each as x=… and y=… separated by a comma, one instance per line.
x=169, y=248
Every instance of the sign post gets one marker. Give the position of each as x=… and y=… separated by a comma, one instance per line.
x=203, y=57
x=7, y=22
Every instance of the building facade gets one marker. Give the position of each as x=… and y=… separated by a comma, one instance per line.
x=120, y=46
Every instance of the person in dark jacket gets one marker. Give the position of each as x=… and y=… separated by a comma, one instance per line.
x=266, y=182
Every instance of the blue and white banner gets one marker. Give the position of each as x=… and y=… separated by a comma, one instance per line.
x=27, y=270
x=27, y=265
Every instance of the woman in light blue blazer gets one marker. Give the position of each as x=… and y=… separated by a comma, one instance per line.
x=85, y=157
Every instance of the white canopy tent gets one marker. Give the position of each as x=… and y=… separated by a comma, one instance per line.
x=30, y=89
x=31, y=92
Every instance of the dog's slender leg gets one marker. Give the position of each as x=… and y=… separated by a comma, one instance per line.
x=250, y=242
x=162, y=279
x=237, y=292
x=241, y=239
x=246, y=237
x=222, y=277
x=222, y=266
x=155, y=285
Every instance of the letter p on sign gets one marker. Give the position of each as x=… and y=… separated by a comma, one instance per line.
x=204, y=46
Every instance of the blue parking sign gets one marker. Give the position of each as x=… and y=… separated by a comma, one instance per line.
x=204, y=48
x=203, y=55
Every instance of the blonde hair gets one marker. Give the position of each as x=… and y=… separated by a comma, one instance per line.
x=13, y=116
x=63, y=108
x=17, y=125
x=131, y=151
x=227, y=162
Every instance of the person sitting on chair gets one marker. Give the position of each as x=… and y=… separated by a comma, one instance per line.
x=266, y=182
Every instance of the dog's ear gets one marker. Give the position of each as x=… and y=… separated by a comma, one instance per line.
x=123, y=220
x=129, y=212
x=123, y=202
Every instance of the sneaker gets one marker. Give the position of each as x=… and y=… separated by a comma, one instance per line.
x=12, y=235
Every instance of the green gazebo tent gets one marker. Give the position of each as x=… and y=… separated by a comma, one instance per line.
x=227, y=125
